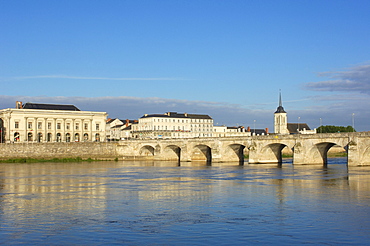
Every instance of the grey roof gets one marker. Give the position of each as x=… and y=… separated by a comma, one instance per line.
x=178, y=115
x=258, y=131
x=110, y=120
x=127, y=128
x=280, y=109
x=292, y=127
x=50, y=106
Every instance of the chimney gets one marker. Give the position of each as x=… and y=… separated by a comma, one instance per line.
x=248, y=129
x=18, y=105
x=127, y=121
x=267, y=130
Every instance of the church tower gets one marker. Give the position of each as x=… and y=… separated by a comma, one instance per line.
x=280, y=119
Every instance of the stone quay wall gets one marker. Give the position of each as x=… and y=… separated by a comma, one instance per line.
x=98, y=150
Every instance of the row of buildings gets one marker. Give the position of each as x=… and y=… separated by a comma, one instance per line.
x=35, y=122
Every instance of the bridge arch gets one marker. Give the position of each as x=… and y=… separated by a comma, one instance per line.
x=147, y=151
x=273, y=153
x=201, y=152
x=172, y=153
x=234, y=152
x=318, y=154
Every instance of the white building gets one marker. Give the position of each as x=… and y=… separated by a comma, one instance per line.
x=233, y=131
x=117, y=129
x=33, y=122
x=173, y=125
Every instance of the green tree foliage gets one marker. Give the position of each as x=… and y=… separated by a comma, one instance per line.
x=331, y=129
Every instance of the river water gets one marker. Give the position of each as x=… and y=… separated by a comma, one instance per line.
x=161, y=203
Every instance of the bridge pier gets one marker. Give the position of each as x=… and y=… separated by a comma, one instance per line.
x=359, y=151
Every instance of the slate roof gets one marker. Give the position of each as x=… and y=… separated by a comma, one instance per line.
x=280, y=109
x=127, y=128
x=292, y=127
x=50, y=106
x=259, y=131
x=177, y=115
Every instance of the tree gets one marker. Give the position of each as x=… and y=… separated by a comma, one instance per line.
x=332, y=129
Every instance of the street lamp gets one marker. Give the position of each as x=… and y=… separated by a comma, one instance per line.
x=298, y=124
x=353, y=122
x=320, y=125
x=254, y=127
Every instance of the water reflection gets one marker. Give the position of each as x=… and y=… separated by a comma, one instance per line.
x=138, y=202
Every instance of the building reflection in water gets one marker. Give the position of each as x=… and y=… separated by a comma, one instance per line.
x=75, y=192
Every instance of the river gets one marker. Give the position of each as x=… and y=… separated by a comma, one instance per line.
x=161, y=203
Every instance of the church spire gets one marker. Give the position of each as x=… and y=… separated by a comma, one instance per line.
x=280, y=102
x=280, y=109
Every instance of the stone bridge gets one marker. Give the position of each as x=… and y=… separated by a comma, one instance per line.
x=307, y=149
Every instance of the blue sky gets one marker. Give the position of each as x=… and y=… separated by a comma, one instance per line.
x=227, y=59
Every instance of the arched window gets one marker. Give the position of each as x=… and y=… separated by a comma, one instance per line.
x=59, y=137
x=49, y=138
x=97, y=137
x=30, y=137
x=68, y=137
x=16, y=137
x=39, y=137
x=86, y=137
x=77, y=137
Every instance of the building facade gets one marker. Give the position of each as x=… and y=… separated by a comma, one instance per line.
x=231, y=131
x=117, y=129
x=33, y=122
x=173, y=125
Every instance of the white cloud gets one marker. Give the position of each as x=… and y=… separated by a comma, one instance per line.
x=354, y=79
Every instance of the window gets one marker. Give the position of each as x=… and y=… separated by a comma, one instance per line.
x=29, y=125
x=77, y=126
x=68, y=126
x=16, y=125
x=86, y=126
x=59, y=126
x=39, y=125
x=29, y=136
x=97, y=127
x=16, y=137
x=49, y=125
